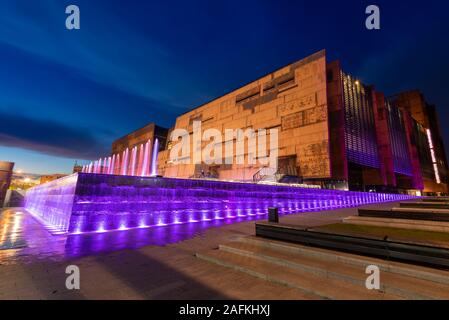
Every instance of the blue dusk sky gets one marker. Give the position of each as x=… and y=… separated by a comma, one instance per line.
x=65, y=95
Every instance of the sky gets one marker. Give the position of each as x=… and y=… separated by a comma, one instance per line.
x=65, y=95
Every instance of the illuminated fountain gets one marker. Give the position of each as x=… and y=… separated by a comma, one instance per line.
x=154, y=158
x=86, y=202
x=146, y=156
x=117, y=193
x=126, y=163
x=133, y=161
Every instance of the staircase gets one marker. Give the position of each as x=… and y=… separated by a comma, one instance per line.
x=326, y=274
x=265, y=174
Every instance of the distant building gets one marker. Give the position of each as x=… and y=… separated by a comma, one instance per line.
x=6, y=171
x=77, y=168
x=24, y=181
x=134, y=154
x=139, y=137
x=427, y=138
x=51, y=177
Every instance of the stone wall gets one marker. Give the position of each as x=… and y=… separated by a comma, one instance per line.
x=5, y=179
x=140, y=136
x=292, y=99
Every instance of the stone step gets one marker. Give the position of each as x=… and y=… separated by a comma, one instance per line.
x=436, y=199
x=322, y=288
x=401, y=285
x=414, y=271
x=436, y=205
x=359, y=243
x=424, y=210
x=425, y=225
x=407, y=213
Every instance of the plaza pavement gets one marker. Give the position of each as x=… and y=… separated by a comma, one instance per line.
x=150, y=272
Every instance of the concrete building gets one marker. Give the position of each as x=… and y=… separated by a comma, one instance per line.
x=333, y=131
x=133, y=154
x=427, y=136
x=6, y=171
x=292, y=100
x=77, y=168
x=139, y=137
x=51, y=177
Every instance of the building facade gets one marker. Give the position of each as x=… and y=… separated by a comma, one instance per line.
x=292, y=100
x=427, y=139
x=332, y=130
x=51, y=177
x=139, y=137
x=6, y=172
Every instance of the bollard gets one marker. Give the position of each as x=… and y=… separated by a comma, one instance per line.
x=273, y=215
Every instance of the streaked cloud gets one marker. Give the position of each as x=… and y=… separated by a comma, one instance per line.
x=50, y=137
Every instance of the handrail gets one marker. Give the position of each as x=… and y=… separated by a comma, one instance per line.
x=263, y=172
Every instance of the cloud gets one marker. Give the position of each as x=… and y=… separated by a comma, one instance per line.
x=106, y=50
x=49, y=137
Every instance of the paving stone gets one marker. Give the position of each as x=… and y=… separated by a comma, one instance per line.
x=170, y=271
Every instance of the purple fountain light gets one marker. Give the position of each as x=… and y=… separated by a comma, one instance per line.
x=154, y=158
x=52, y=203
x=134, y=162
x=99, y=202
